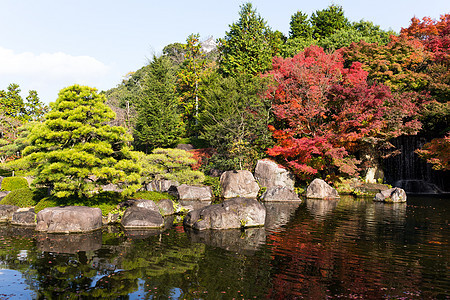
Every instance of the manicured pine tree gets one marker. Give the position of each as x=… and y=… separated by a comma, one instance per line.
x=75, y=150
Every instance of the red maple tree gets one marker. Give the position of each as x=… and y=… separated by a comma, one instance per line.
x=327, y=113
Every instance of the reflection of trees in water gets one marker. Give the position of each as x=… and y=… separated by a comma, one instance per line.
x=339, y=254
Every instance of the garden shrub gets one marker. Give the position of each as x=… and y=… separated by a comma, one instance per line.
x=214, y=183
x=20, y=197
x=13, y=183
x=46, y=202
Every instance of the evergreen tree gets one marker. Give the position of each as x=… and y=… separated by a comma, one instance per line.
x=158, y=123
x=300, y=26
x=235, y=120
x=74, y=150
x=247, y=47
x=327, y=21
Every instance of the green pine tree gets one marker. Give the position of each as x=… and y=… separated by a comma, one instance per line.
x=247, y=47
x=74, y=150
x=158, y=123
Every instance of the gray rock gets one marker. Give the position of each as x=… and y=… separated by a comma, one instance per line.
x=269, y=174
x=24, y=217
x=192, y=192
x=1, y=179
x=166, y=207
x=68, y=219
x=194, y=204
x=3, y=194
x=6, y=212
x=185, y=147
x=238, y=184
x=138, y=217
x=161, y=185
x=319, y=189
x=111, y=188
x=148, y=204
x=279, y=193
x=233, y=213
x=391, y=195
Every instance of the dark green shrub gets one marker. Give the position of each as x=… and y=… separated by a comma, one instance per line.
x=21, y=197
x=214, y=183
x=14, y=183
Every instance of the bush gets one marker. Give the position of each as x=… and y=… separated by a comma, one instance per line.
x=13, y=183
x=214, y=183
x=170, y=164
x=20, y=197
x=46, y=202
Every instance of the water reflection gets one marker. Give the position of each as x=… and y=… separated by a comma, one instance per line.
x=235, y=240
x=325, y=249
x=279, y=213
x=69, y=243
x=321, y=208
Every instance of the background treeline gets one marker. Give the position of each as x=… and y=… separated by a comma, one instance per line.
x=324, y=101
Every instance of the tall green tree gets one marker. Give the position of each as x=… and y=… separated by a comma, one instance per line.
x=300, y=26
x=247, y=47
x=190, y=77
x=75, y=151
x=235, y=120
x=327, y=21
x=158, y=122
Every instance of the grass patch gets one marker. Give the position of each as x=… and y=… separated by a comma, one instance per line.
x=106, y=201
x=154, y=196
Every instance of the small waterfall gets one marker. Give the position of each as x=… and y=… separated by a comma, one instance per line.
x=411, y=173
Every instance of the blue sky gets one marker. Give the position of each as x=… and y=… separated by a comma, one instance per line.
x=46, y=45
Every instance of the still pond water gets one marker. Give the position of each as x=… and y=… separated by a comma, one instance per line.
x=318, y=249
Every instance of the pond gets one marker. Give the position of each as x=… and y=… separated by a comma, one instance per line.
x=318, y=249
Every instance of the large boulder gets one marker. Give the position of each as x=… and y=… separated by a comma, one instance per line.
x=319, y=189
x=279, y=193
x=391, y=195
x=239, y=184
x=138, y=217
x=6, y=212
x=24, y=217
x=166, y=207
x=192, y=192
x=269, y=174
x=233, y=213
x=148, y=204
x=68, y=219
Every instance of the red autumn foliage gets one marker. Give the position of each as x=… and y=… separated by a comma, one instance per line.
x=437, y=153
x=201, y=156
x=329, y=112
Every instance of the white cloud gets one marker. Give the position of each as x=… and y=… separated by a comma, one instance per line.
x=51, y=65
x=47, y=73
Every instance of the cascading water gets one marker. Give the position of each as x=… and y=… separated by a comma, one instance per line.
x=411, y=173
